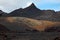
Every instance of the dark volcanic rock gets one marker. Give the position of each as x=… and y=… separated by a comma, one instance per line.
x=53, y=29
x=2, y=13
x=3, y=29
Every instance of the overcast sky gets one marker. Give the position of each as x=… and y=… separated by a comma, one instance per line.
x=10, y=5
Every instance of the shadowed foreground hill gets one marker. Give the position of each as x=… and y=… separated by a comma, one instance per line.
x=22, y=23
x=3, y=29
x=53, y=29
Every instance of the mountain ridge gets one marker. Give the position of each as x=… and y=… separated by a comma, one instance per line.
x=33, y=12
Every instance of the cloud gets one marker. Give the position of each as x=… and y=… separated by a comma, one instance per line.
x=10, y=5
x=1, y=7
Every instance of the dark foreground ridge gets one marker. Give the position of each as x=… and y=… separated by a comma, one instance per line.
x=31, y=36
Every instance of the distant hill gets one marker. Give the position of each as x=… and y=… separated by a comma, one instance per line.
x=2, y=13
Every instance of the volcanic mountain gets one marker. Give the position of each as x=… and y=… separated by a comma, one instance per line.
x=29, y=12
x=33, y=12
x=31, y=18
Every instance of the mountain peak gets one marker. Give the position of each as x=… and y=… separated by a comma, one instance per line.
x=32, y=6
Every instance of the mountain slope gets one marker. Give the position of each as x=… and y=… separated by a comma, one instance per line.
x=22, y=23
x=2, y=14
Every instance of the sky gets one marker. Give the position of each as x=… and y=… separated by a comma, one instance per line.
x=10, y=5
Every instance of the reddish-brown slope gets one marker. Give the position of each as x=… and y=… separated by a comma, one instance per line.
x=39, y=25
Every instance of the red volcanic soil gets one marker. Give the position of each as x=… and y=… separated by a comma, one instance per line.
x=39, y=25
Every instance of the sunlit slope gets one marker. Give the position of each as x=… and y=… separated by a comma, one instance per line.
x=39, y=25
